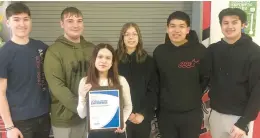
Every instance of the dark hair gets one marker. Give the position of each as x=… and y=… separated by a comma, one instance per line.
x=191, y=36
x=141, y=54
x=93, y=74
x=180, y=16
x=71, y=11
x=233, y=11
x=17, y=8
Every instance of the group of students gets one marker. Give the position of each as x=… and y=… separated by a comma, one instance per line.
x=45, y=88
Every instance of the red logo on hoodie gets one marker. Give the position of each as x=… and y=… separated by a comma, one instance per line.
x=188, y=64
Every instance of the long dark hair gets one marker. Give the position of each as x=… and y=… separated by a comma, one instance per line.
x=93, y=74
x=141, y=54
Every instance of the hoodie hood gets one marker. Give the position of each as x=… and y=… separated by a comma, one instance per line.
x=67, y=42
x=192, y=36
x=241, y=41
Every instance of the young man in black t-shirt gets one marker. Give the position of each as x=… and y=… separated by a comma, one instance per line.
x=24, y=95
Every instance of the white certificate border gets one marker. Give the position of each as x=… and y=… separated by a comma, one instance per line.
x=89, y=103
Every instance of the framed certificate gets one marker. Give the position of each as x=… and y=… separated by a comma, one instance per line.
x=104, y=109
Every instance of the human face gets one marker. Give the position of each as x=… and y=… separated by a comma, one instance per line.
x=177, y=30
x=20, y=25
x=131, y=38
x=104, y=60
x=73, y=26
x=231, y=27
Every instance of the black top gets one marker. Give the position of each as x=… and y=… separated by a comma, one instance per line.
x=234, y=78
x=143, y=84
x=181, y=75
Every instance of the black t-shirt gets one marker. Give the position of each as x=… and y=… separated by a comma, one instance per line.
x=27, y=91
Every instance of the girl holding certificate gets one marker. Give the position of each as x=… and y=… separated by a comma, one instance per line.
x=139, y=70
x=103, y=71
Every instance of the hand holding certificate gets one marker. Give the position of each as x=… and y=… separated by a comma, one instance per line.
x=85, y=90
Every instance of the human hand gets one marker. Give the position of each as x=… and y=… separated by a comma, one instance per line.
x=131, y=117
x=138, y=118
x=119, y=130
x=236, y=132
x=14, y=133
x=84, y=90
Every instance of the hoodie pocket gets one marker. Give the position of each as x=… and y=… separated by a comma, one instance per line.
x=61, y=112
x=241, y=89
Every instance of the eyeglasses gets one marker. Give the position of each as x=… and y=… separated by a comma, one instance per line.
x=128, y=35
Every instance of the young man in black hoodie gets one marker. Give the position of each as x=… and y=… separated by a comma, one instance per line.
x=234, y=66
x=179, y=68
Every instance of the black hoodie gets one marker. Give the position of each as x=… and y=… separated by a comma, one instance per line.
x=180, y=75
x=235, y=78
x=142, y=80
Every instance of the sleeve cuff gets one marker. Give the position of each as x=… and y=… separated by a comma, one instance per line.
x=242, y=123
x=82, y=99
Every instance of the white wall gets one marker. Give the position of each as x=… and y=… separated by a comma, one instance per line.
x=216, y=7
x=257, y=38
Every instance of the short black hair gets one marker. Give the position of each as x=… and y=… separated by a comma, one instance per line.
x=72, y=11
x=180, y=16
x=233, y=11
x=17, y=8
